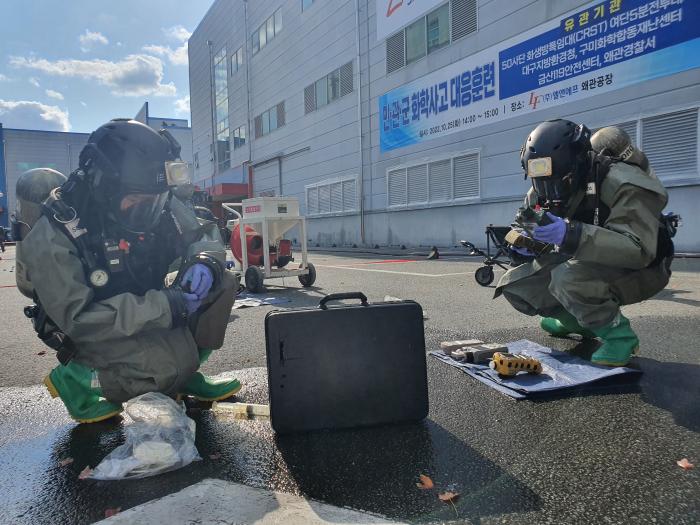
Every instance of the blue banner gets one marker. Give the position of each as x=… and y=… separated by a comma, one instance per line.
x=602, y=47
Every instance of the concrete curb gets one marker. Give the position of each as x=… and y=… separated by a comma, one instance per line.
x=215, y=501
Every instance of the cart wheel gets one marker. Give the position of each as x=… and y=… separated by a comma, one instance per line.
x=484, y=275
x=254, y=279
x=310, y=279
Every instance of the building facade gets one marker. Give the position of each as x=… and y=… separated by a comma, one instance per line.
x=25, y=149
x=399, y=122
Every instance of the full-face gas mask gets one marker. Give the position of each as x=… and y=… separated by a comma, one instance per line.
x=555, y=157
x=132, y=168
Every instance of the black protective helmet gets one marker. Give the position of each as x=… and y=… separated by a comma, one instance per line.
x=127, y=163
x=556, y=158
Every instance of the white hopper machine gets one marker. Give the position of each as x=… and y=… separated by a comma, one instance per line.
x=263, y=252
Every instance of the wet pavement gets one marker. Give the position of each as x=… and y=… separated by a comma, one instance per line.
x=597, y=456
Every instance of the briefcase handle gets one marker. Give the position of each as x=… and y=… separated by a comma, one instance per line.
x=341, y=296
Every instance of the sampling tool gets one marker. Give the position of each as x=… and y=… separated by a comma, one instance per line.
x=510, y=364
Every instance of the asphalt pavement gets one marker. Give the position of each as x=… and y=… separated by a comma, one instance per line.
x=602, y=456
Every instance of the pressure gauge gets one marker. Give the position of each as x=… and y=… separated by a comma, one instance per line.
x=99, y=278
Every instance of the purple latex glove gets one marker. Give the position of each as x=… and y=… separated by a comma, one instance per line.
x=198, y=280
x=553, y=233
x=192, y=302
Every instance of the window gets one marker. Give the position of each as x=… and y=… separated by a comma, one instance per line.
x=438, y=27
x=440, y=181
x=196, y=160
x=332, y=196
x=321, y=92
x=270, y=120
x=267, y=31
x=333, y=86
x=415, y=41
x=305, y=4
x=449, y=22
x=239, y=137
x=237, y=61
x=223, y=150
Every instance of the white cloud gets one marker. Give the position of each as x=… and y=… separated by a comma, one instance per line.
x=34, y=82
x=26, y=114
x=177, y=33
x=54, y=94
x=182, y=106
x=119, y=44
x=90, y=39
x=83, y=104
x=133, y=76
x=177, y=55
x=4, y=78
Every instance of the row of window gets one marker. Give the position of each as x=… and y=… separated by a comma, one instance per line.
x=267, y=31
x=447, y=23
x=440, y=181
x=270, y=120
x=333, y=86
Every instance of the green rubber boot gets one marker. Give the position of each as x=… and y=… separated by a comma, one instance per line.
x=619, y=343
x=564, y=324
x=73, y=384
x=204, y=388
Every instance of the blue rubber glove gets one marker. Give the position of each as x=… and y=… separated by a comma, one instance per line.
x=553, y=233
x=192, y=302
x=198, y=280
x=522, y=251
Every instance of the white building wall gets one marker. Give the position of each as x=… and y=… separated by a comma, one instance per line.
x=327, y=143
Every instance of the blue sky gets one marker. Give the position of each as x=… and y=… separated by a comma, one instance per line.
x=71, y=65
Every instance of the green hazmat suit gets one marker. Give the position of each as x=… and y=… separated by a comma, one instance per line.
x=611, y=265
x=128, y=339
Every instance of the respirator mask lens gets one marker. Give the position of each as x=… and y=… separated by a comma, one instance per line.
x=141, y=211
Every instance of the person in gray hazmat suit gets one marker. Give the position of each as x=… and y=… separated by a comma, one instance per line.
x=94, y=252
x=598, y=203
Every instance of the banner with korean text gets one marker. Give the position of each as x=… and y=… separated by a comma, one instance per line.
x=601, y=47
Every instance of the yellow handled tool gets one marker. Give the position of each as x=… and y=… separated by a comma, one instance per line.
x=510, y=364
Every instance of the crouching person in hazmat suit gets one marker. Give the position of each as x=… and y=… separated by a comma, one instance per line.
x=94, y=254
x=597, y=202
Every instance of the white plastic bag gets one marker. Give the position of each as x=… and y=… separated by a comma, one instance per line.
x=161, y=438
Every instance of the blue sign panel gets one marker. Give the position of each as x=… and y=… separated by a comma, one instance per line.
x=600, y=36
x=605, y=46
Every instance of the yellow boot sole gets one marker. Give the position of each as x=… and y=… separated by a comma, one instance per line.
x=54, y=394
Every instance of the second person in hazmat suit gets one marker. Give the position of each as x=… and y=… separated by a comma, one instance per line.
x=95, y=262
x=599, y=204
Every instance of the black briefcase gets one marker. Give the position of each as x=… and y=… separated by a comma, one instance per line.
x=345, y=366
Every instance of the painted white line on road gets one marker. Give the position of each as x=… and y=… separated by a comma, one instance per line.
x=416, y=274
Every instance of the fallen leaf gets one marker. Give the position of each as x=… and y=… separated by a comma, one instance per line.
x=65, y=462
x=448, y=497
x=425, y=482
x=685, y=464
x=215, y=456
x=86, y=473
x=43, y=352
x=112, y=512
